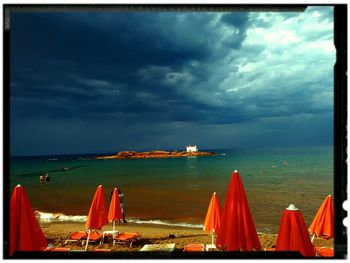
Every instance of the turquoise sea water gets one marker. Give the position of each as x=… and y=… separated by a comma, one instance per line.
x=178, y=190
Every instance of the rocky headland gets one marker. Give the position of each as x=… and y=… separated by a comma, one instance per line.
x=154, y=154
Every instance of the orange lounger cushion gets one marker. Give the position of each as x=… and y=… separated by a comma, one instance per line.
x=194, y=247
x=127, y=236
x=82, y=236
x=325, y=251
x=78, y=235
x=95, y=236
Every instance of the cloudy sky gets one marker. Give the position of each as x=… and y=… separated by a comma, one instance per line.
x=94, y=82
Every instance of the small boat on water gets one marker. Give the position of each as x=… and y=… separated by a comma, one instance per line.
x=223, y=154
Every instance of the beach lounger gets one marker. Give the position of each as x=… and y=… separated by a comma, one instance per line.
x=81, y=236
x=209, y=247
x=126, y=238
x=106, y=234
x=194, y=248
x=95, y=237
x=324, y=252
x=77, y=236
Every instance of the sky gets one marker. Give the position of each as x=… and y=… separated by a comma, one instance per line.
x=97, y=82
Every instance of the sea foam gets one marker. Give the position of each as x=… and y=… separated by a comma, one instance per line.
x=58, y=217
x=45, y=217
x=160, y=222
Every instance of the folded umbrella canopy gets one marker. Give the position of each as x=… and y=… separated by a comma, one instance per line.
x=115, y=211
x=237, y=230
x=292, y=233
x=25, y=231
x=323, y=223
x=213, y=217
x=97, y=216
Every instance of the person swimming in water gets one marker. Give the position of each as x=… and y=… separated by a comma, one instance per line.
x=47, y=178
x=42, y=178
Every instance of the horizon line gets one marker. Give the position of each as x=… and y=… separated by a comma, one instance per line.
x=211, y=149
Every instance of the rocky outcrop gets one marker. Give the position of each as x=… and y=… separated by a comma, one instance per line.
x=154, y=154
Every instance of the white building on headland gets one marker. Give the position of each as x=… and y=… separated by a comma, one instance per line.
x=191, y=148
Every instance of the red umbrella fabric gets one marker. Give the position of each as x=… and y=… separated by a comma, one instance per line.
x=237, y=230
x=98, y=211
x=97, y=216
x=115, y=211
x=25, y=231
x=323, y=223
x=292, y=233
x=212, y=219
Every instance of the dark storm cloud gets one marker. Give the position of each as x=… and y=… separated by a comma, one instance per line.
x=97, y=53
x=240, y=22
x=114, y=74
x=120, y=42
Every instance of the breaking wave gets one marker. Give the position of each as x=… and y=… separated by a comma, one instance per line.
x=45, y=217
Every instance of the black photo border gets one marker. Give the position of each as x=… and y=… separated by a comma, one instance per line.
x=340, y=131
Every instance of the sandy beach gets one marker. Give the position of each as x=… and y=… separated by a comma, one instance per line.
x=57, y=232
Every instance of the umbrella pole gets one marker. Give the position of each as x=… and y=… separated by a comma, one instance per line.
x=312, y=239
x=113, y=225
x=212, y=238
x=88, y=238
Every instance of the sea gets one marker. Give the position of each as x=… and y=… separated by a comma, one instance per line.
x=177, y=191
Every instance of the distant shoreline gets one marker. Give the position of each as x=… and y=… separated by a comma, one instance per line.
x=154, y=154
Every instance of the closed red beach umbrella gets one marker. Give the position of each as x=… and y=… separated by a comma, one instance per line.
x=237, y=230
x=98, y=211
x=115, y=211
x=213, y=217
x=323, y=223
x=97, y=216
x=25, y=231
x=292, y=233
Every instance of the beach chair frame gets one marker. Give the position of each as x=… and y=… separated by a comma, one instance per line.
x=81, y=234
x=90, y=239
x=84, y=237
x=127, y=238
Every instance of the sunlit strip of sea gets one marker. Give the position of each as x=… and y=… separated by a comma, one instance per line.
x=177, y=191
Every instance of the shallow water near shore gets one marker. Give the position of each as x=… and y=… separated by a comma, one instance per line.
x=178, y=190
